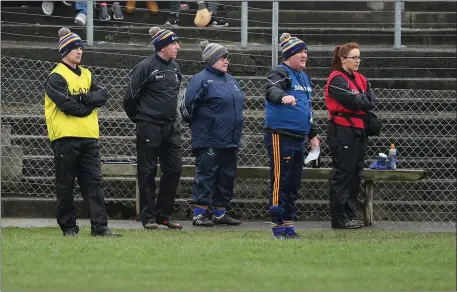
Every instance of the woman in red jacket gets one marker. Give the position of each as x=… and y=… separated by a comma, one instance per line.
x=348, y=97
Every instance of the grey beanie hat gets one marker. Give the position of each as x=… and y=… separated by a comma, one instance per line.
x=212, y=52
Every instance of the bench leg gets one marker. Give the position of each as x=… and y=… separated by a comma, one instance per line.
x=137, y=201
x=368, y=203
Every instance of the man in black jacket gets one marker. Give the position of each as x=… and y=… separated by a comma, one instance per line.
x=151, y=102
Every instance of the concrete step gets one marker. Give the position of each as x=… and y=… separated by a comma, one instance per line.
x=11, y=156
x=39, y=156
x=250, y=64
x=253, y=148
x=256, y=18
x=312, y=35
x=16, y=87
x=299, y=5
x=407, y=65
x=443, y=6
x=24, y=84
x=386, y=100
x=395, y=123
x=126, y=57
x=244, y=209
x=11, y=162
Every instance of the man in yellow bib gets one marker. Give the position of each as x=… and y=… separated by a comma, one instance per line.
x=71, y=102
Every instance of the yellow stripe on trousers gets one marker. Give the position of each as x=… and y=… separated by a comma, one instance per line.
x=277, y=168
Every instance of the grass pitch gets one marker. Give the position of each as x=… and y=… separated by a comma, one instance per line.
x=42, y=259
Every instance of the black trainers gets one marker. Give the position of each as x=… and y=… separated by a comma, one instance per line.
x=202, y=220
x=216, y=22
x=357, y=221
x=353, y=224
x=151, y=225
x=170, y=224
x=103, y=12
x=106, y=233
x=349, y=224
x=173, y=20
x=225, y=219
x=117, y=11
x=71, y=232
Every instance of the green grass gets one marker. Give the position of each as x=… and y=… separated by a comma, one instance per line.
x=42, y=259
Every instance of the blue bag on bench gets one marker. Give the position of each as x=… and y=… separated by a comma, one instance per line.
x=381, y=163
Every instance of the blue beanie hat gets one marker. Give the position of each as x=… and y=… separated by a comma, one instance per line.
x=68, y=41
x=291, y=45
x=162, y=37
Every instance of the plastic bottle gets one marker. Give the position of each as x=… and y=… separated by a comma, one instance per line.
x=316, y=163
x=393, y=157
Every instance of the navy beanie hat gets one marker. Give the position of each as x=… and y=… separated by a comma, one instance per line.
x=68, y=41
x=291, y=45
x=162, y=37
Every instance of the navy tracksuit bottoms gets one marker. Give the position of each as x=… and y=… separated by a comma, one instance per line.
x=286, y=166
x=215, y=172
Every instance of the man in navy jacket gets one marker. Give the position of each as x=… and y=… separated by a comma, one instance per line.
x=213, y=106
x=288, y=122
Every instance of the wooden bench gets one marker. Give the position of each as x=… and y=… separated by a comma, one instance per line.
x=368, y=175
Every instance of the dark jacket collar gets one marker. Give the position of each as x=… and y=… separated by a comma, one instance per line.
x=214, y=70
x=350, y=75
x=160, y=59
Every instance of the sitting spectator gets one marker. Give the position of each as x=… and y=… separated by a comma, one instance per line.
x=183, y=6
x=173, y=17
x=81, y=10
x=116, y=10
x=48, y=7
x=151, y=5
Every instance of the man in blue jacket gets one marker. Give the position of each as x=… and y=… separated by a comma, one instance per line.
x=213, y=106
x=288, y=122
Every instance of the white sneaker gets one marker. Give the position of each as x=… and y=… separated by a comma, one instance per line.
x=47, y=7
x=80, y=19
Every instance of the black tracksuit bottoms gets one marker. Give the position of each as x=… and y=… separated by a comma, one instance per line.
x=348, y=146
x=79, y=158
x=158, y=143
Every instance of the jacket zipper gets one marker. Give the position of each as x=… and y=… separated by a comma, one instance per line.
x=234, y=109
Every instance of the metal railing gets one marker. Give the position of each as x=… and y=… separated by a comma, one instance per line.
x=421, y=123
x=397, y=44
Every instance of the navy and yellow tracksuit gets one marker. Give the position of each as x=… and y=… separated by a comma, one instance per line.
x=286, y=128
